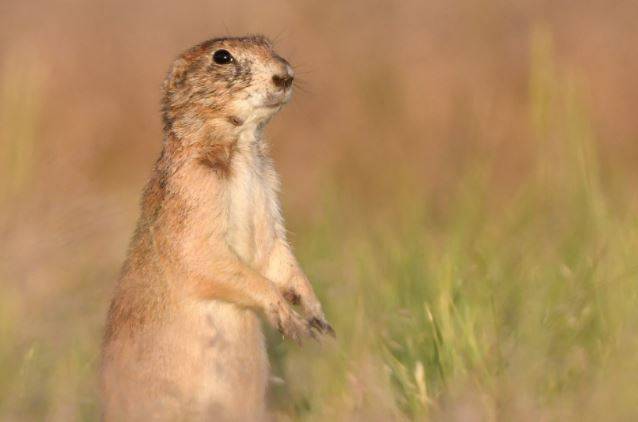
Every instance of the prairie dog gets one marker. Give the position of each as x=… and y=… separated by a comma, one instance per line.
x=183, y=340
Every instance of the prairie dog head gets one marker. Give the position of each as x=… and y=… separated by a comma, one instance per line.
x=239, y=82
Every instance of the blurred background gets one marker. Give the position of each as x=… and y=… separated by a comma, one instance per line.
x=460, y=183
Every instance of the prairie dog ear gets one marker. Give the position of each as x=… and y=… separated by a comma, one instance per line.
x=176, y=74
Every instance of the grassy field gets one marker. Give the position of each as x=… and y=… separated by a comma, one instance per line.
x=477, y=258
x=525, y=311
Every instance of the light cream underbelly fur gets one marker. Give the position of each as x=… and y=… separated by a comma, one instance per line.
x=234, y=359
x=208, y=363
x=233, y=364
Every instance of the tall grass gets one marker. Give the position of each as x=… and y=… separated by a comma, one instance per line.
x=519, y=311
x=523, y=309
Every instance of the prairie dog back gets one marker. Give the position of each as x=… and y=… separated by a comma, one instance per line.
x=209, y=255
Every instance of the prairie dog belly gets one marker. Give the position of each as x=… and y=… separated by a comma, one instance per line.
x=233, y=364
x=207, y=363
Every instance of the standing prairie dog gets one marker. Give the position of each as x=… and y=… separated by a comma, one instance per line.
x=183, y=340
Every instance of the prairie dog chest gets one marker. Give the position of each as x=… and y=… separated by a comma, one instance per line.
x=252, y=207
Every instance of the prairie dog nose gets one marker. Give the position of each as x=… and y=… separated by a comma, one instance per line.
x=284, y=80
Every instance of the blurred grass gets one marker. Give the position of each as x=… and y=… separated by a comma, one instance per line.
x=452, y=306
x=525, y=311
x=20, y=89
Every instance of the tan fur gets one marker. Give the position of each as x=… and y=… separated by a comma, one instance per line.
x=183, y=340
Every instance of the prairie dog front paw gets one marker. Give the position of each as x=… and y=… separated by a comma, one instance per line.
x=311, y=308
x=289, y=323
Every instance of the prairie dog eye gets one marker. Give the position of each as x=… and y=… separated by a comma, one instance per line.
x=222, y=57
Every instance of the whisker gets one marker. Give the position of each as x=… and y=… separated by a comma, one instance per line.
x=302, y=71
x=302, y=88
x=280, y=36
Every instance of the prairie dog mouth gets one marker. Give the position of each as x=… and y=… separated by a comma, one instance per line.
x=276, y=102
